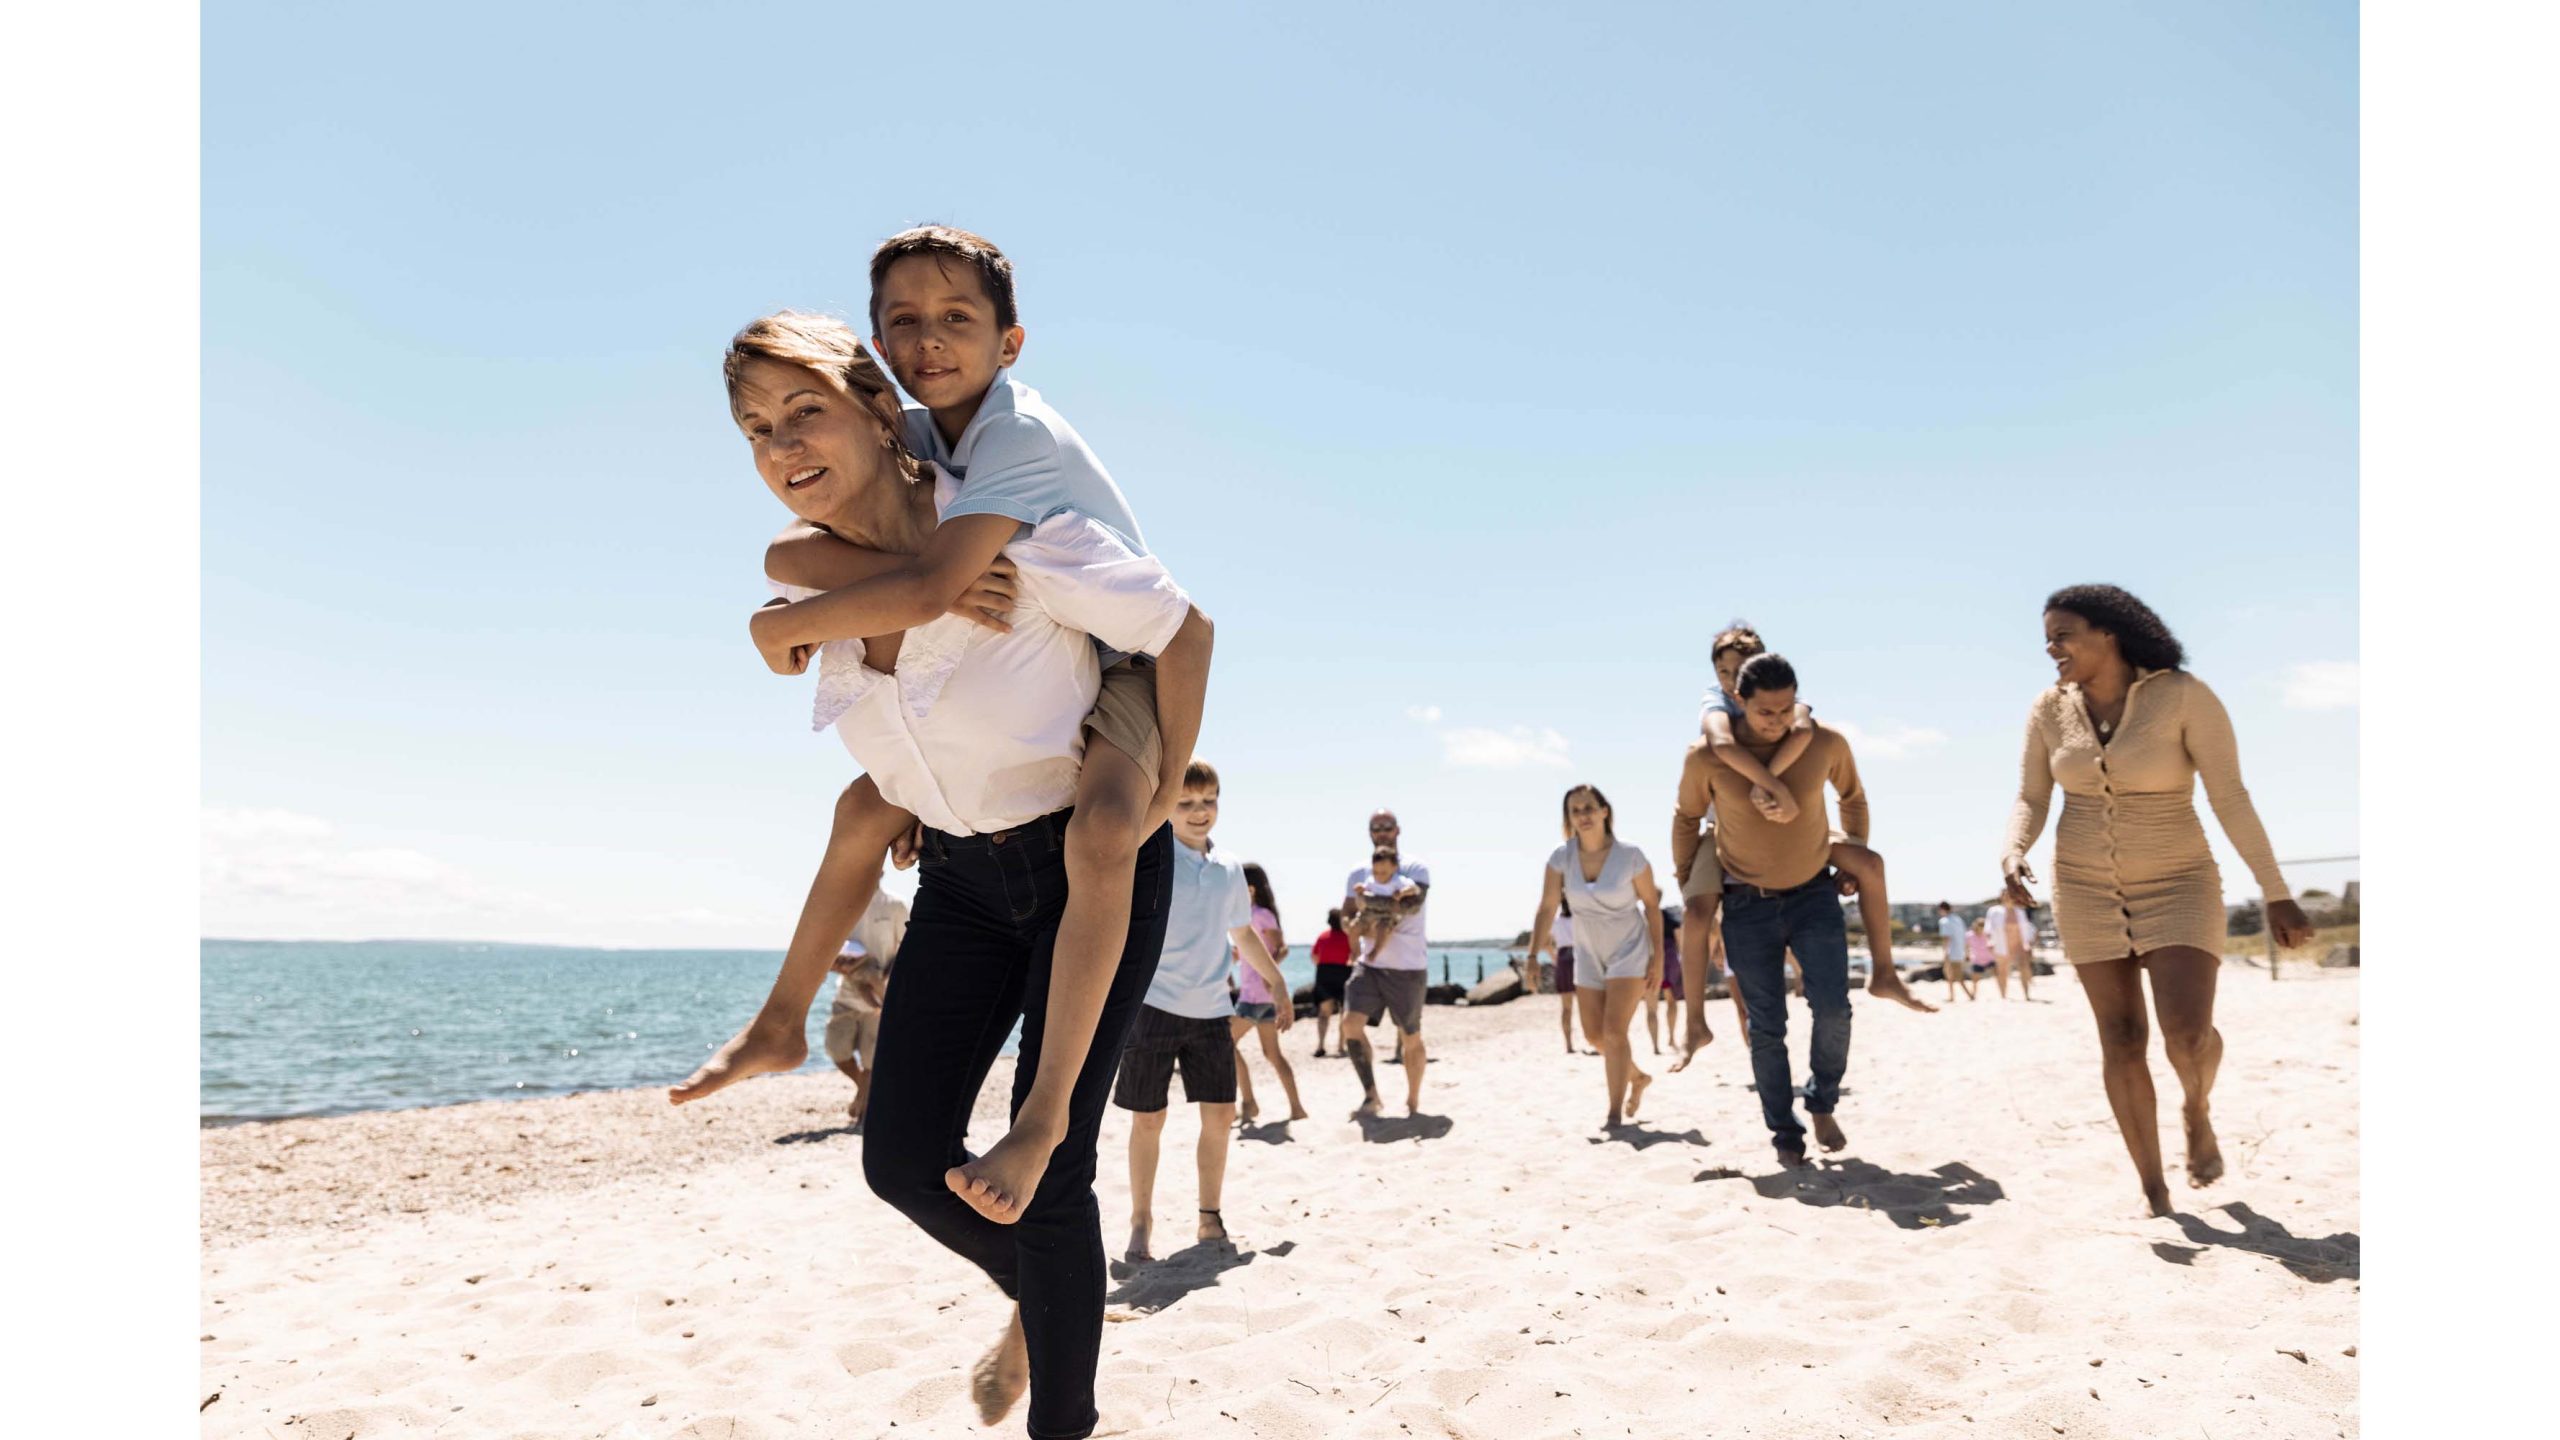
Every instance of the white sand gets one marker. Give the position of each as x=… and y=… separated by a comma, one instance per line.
x=1973, y=1266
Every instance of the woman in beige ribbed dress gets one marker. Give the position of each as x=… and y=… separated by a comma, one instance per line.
x=2126, y=733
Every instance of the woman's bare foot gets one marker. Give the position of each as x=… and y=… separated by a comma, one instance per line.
x=1002, y=1374
x=1247, y=1112
x=2156, y=1195
x=1138, y=1253
x=1692, y=1040
x=1001, y=1182
x=1369, y=1106
x=2204, y=1150
x=763, y=1048
x=1827, y=1131
x=1213, y=1226
x=1615, y=1121
x=1297, y=1112
x=1635, y=1092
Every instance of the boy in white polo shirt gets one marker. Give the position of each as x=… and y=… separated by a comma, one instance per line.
x=1183, y=1024
x=943, y=319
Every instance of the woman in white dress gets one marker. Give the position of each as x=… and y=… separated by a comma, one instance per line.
x=1617, y=935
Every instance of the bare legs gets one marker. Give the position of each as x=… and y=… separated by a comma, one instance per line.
x=1697, y=935
x=2182, y=985
x=1112, y=796
x=1611, y=1011
x=1248, y=1109
x=1146, y=1135
x=848, y=876
x=1324, y=1018
x=1269, y=1031
x=1355, y=1043
x=1884, y=981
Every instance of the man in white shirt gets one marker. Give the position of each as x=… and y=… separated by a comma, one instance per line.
x=2013, y=940
x=1391, y=978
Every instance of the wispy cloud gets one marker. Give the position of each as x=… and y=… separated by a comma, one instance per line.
x=1427, y=714
x=2323, y=685
x=1521, y=746
x=1889, y=742
x=280, y=872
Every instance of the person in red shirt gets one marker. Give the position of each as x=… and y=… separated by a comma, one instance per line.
x=1333, y=971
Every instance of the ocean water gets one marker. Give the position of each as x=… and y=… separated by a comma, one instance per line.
x=329, y=1028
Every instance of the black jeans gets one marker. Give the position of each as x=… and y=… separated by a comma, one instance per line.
x=1758, y=931
x=975, y=959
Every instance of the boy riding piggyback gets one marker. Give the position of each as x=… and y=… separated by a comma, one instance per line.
x=943, y=319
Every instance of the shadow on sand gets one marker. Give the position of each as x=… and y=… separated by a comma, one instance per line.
x=2332, y=1257
x=1156, y=1284
x=1914, y=1202
x=1385, y=1130
x=1268, y=1132
x=815, y=1137
x=1641, y=1136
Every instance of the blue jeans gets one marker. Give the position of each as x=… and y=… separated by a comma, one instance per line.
x=976, y=959
x=1759, y=930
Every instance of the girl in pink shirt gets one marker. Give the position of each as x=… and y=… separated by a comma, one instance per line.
x=1257, y=1009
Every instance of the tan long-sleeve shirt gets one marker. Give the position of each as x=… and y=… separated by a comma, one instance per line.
x=1753, y=849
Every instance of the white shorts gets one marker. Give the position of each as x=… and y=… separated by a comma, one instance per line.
x=1587, y=969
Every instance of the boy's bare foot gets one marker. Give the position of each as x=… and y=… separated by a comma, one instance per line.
x=1247, y=1113
x=1001, y=1182
x=1369, y=1106
x=1827, y=1130
x=760, y=1049
x=1614, y=1122
x=1635, y=1092
x=1213, y=1226
x=2204, y=1150
x=1138, y=1253
x=1885, y=984
x=2157, y=1197
x=1002, y=1374
x=1297, y=1112
x=1696, y=1038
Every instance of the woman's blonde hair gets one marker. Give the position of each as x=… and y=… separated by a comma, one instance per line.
x=824, y=346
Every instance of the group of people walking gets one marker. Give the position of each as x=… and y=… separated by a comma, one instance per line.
x=1021, y=682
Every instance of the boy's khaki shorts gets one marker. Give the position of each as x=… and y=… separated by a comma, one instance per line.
x=1124, y=714
x=1705, y=880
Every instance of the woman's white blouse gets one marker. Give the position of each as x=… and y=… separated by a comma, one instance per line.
x=977, y=731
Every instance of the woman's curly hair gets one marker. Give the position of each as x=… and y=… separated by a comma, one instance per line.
x=2141, y=635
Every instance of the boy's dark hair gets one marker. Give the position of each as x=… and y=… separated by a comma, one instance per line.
x=2141, y=636
x=948, y=242
x=1943, y=905
x=1383, y=852
x=1736, y=635
x=1769, y=671
x=1199, y=775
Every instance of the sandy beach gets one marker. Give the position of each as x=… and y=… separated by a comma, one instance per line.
x=1974, y=1264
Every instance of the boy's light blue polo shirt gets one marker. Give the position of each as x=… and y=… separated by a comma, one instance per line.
x=1209, y=899
x=1020, y=458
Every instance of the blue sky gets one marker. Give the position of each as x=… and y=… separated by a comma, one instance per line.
x=1536, y=343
